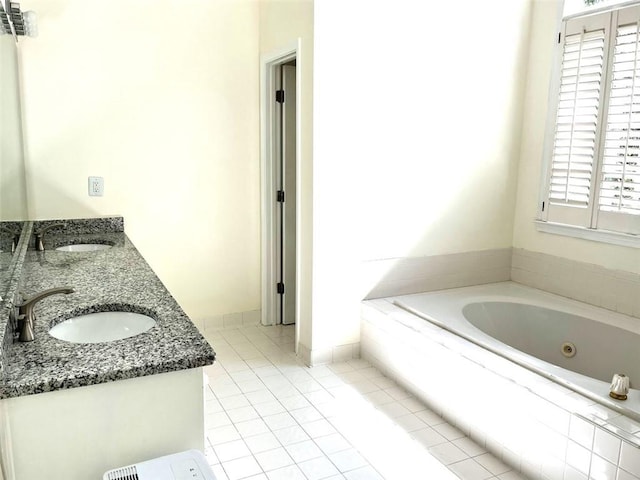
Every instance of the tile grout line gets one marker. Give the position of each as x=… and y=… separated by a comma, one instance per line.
x=262, y=348
x=301, y=425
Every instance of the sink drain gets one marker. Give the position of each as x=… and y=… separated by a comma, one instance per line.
x=568, y=349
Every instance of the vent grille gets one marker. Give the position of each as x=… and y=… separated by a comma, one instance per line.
x=125, y=473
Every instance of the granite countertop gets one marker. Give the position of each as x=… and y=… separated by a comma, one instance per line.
x=117, y=278
x=12, y=266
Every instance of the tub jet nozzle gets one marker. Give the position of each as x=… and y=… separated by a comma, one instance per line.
x=619, y=386
x=568, y=349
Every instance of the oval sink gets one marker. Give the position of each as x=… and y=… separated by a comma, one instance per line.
x=83, y=247
x=102, y=327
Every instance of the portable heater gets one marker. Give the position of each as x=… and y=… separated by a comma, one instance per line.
x=189, y=465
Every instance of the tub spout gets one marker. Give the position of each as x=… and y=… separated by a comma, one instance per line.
x=619, y=387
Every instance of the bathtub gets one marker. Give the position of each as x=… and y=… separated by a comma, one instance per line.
x=489, y=360
x=571, y=343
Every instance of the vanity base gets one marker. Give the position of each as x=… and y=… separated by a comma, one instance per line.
x=82, y=432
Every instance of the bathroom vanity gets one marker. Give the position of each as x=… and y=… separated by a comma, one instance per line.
x=75, y=410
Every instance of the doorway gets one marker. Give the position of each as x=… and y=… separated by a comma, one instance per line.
x=285, y=141
x=280, y=157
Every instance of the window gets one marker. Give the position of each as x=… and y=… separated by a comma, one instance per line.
x=593, y=151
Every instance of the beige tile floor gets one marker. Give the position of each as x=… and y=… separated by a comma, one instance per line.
x=268, y=416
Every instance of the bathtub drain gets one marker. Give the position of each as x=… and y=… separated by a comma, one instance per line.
x=568, y=349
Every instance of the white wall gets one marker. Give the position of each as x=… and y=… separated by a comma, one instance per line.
x=160, y=97
x=282, y=23
x=417, y=111
x=544, y=31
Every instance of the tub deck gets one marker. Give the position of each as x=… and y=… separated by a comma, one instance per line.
x=532, y=422
x=445, y=309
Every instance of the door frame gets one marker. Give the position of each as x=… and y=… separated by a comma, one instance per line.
x=268, y=158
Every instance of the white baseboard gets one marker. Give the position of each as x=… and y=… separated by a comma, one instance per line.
x=324, y=356
x=229, y=320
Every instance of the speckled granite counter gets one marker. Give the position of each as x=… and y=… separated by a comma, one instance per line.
x=10, y=281
x=117, y=278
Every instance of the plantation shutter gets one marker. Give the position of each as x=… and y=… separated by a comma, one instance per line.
x=619, y=189
x=593, y=136
x=578, y=120
x=619, y=193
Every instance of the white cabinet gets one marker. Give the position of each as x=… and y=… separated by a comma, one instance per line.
x=80, y=433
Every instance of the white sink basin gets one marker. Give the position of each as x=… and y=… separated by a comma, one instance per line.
x=102, y=327
x=83, y=247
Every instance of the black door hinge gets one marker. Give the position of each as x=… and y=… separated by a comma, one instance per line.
x=543, y=206
x=280, y=96
x=280, y=288
x=559, y=37
x=280, y=196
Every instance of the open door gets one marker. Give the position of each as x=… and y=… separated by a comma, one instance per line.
x=286, y=217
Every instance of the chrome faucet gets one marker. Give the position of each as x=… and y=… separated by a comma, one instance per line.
x=15, y=237
x=40, y=235
x=26, y=315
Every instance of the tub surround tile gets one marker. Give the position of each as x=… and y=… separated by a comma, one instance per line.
x=630, y=459
x=401, y=276
x=578, y=457
x=552, y=468
x=582, y=432
x=624, y=475
x=470, y=447
x=607, y=445
x=600, y=414
x=571, y=473
x=561, y=434
x=447, y=453
x=610, y=427
x=470, y=470
x=614, y=290
x=492, y=464
x=625, y=424
x=601, y=469
x=113, y=279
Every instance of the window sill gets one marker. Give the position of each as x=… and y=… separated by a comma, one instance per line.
x=603, y=236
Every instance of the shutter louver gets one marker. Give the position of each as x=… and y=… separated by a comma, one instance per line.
x=577, y=118
x=620, y=185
